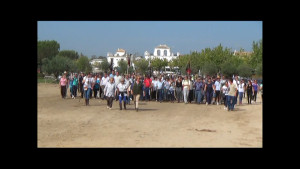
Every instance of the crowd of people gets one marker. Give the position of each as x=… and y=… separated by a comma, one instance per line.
x=161, y=88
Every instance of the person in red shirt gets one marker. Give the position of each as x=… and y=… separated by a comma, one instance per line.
x=147, y=84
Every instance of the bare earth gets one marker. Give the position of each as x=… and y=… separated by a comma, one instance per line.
x=69, y=123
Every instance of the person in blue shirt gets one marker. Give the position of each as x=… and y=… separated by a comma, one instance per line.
x=199, y=90
x=160, y=87
x=96, y=87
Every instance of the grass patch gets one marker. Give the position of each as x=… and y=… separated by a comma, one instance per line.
x=43, y=80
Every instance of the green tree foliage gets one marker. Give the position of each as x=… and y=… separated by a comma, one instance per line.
x=69, y=53
x=104, y=66
x=47, y=49
x=83, y=64
x=228, y=69
x=210, y=68
x=122, y=66
x=158, y=64
x=259, y=70
x=256, y=57
x=141, y=66
x=130, y=70
x=244, y=70
x=58, y=65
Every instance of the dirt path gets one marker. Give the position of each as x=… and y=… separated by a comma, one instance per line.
x=69, y=123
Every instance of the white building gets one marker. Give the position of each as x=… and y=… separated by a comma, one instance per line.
x=119, y=55
x=94, y=61
x=161, y=52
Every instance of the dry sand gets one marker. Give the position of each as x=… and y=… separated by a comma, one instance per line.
x=69, y=123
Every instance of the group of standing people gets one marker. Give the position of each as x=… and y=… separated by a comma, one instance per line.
x=214, y=90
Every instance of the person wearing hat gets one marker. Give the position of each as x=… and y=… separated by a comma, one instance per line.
x=122, y=93
x=217, y=88
x=110, y=92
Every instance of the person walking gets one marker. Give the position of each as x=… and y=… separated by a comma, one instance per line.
x=167, y=84
x=236, y=83
x=179, y=88
x=71, y=84
x=249, y=91
x=160, y=87
x=241, y=91
x=103, y=82
x=199, y=90
x=209, y=91
x=96, y=87
x=171, y=90
x=81, y=84
x=255, y=87
x=191, y=85
x=63, y=86
x=147, y=84
x=74, y=87
x=136, y=90
x=231, y=95
x=122, y=93
x=87, y=86
x=128, y=85
x=225, y=90
x=261, y=91
x=186, y=88
x=110, y=92
x=154, y=88
x=217, y=87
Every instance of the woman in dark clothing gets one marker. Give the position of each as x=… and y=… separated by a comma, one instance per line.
x=178, y=88
x=209, y=91
x=137, y=88
x=249, y=91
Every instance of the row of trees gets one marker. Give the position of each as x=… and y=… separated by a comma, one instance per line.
x=53, y=61
x=208, y=61
x=212, y=61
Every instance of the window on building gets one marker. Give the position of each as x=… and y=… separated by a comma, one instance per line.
x=158, y=52
x=165, y=52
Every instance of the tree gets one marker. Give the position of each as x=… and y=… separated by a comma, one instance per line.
x=122, y=66
x=158, y=64
x=58, y=65
x=210, y=68
x=256, y=56
x=259, y=70
x=104, y=66
x=141, y=66
x=244, y=70
x=73, y=55
x=47, y=49
x=228, y=69
x=83, y=64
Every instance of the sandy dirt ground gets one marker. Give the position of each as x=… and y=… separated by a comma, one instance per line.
x=69, y=123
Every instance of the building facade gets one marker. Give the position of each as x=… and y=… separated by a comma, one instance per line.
x=121, y=54
x=161, y=52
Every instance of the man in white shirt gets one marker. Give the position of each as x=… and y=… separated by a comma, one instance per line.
x=217, y=87
x=122, y=93
x=154, y=88
x=117, y=81
x=159, y=87
x=109, y=92
x=87, y=85
x=241, y=90
x=104, y=81
x=236, y=83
